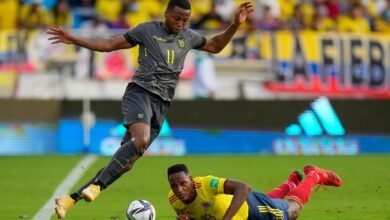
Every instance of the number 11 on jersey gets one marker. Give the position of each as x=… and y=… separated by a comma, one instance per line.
x=170, y=56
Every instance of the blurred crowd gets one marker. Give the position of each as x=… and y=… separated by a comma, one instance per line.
x=360, y=16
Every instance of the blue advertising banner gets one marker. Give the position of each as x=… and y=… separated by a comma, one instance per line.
x=263, y=142
x=67, y=138
x=106, y=136
x=21, y=139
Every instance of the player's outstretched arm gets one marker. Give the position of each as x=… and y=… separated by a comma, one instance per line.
x=59, y=35
x=240, y=192
x=218, y=42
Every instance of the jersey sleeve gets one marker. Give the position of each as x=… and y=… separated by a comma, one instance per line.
x=134, y=35
x=197, y=40
x=174, y=202
x=215, y=184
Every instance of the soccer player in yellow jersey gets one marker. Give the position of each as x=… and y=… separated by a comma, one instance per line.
x=214, y=198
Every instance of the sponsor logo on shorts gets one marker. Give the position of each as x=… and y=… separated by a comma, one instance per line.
x=141, y=115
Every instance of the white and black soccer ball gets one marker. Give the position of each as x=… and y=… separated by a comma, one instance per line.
x=140, y=210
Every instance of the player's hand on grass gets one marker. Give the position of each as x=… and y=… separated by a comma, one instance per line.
x=183, y=217
x=242, y=12
x=60, y=35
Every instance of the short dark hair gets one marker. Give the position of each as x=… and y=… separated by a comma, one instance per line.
x=184, y=4
x=177, y=168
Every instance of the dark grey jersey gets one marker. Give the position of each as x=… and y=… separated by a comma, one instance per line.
x=161, y=56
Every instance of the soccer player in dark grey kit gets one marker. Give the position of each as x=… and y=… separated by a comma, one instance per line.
x=163, y=47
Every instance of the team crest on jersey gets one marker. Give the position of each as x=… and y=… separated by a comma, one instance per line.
x=206, y=205
x=181, y=43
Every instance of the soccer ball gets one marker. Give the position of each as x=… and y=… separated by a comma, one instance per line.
x=140, y=210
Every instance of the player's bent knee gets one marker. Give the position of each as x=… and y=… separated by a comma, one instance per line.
x=293, y=215
x=294, y=210
x=141, y=142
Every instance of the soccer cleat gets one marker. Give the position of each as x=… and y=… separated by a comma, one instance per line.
x=327, y=177
x=91, y=192
x=295, y=177
x=64, y=203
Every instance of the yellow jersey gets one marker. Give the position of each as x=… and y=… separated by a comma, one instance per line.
x=359, y=25
x=210, y=203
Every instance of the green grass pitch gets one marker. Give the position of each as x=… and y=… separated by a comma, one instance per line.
x=28, y=182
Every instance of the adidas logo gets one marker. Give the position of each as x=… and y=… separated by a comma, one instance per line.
x=320, y=119
x=319, y=131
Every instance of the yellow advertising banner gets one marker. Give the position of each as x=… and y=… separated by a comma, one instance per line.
x=7, y=84
x=329, y=63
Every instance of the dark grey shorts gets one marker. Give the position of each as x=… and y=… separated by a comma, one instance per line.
x=139, y=105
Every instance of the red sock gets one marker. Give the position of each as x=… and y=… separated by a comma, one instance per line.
x=282, y=190
x=302, y=193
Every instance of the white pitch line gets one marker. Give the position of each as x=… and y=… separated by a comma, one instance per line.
x=47, y=210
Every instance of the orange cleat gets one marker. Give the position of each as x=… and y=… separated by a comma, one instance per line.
x=63, y=204
x=327, y=177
